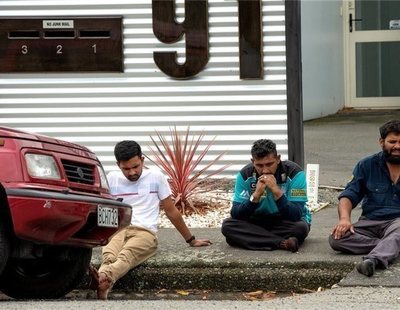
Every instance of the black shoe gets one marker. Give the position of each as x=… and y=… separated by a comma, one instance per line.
x=366, y=267
x=290, y=244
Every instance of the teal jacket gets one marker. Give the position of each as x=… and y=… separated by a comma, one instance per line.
x=291, y=206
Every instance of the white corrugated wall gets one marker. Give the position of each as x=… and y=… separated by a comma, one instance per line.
x=97, y=110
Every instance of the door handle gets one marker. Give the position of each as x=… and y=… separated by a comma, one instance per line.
x=351, y=20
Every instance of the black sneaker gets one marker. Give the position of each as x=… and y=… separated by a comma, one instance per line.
x=290, y=244
x=366, y=267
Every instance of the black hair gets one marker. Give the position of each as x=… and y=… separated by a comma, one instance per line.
x=127, y=149
x=262, y=148
x=392, y=126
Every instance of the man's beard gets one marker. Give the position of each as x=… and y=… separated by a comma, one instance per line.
x=393, y=159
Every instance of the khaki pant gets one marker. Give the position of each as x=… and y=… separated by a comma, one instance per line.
x=127, y=249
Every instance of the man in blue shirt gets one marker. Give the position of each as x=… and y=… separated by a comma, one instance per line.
x=375, y=182
x=269, y=205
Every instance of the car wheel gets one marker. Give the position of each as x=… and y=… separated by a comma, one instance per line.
x=53, y=275
x=4, y=247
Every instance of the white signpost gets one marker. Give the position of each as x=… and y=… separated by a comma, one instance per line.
x=312, y=175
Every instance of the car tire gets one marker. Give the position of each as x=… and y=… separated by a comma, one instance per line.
x=51, y=276
x=4, y=247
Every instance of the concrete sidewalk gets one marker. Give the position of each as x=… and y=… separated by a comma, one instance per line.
x=221, y=267
x=336, y=143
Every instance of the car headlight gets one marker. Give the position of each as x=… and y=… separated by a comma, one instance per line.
x=42, y=166
x=103, y=178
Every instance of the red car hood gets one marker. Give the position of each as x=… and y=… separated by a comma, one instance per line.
x=19, y=134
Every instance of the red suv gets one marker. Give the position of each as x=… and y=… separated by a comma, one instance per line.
x=55, y=207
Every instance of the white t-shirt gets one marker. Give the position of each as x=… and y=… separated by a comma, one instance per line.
x=144, y=195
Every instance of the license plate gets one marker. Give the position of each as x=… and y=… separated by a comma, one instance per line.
x=107, y=217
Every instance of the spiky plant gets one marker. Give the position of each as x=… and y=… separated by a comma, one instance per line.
x=179, y=159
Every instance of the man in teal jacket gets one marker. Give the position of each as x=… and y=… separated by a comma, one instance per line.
x=269, y=205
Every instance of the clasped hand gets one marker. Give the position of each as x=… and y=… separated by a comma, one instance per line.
x=266, y=180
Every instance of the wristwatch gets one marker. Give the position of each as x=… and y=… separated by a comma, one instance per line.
x=190, y=239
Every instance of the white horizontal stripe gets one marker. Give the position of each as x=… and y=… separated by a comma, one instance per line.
x=228, y=173
x=99, y=2
x=212, y=40
x=234, y=159
x=213, y=50
x=116, y=119
x=119, y=90
x=137, y=80
x=63, y=100
x=110, y=11
x=70, y=2
x=142, y=109
x=163, y=129
x=212, y=30
x=213, y=60
x=244, y=148
x=146, y=141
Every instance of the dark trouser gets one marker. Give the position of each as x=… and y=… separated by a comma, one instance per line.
x=262, y=236
x=380, y=240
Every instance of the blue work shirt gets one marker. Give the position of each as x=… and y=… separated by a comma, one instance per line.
x=372, y=184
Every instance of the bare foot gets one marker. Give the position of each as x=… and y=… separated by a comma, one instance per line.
x=104, y=287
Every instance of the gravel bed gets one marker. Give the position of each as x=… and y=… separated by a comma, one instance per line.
x=219, y=202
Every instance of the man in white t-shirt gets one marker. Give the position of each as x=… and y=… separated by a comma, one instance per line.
x=145, y=190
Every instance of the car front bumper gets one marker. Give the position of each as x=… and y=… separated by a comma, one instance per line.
x=62, y=218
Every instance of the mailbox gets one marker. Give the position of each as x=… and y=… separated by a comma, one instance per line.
x=61, y=44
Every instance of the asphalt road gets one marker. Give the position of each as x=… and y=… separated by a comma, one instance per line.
x=338, y=298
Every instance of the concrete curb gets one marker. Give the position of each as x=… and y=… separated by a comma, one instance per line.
x=283, y=278
x=221, y=267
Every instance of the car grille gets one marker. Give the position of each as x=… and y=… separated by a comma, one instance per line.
x=78, y=172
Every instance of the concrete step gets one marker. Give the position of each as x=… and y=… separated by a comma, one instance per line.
x=221, y=267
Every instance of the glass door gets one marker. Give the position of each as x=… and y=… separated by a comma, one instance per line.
x=373, y=53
